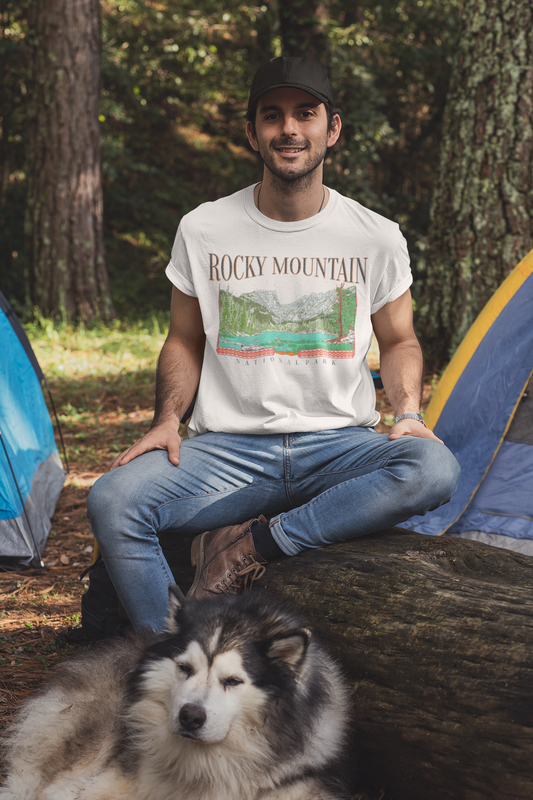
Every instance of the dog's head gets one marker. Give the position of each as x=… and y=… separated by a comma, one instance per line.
x=222, y=661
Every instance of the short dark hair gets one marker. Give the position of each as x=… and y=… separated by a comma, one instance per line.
x=331, y=111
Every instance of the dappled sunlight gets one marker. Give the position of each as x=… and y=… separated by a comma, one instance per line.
x=63, y=349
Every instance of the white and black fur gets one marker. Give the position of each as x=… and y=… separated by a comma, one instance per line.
x=235, y=701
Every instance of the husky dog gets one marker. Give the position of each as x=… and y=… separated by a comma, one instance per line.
x=234, y=701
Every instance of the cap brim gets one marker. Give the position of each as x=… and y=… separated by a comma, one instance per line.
x=319, y=96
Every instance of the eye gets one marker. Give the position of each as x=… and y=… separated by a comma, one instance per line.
x=226, y=682
x=186, y=669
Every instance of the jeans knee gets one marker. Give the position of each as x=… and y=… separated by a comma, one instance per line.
x=431, y=474
x=439, y=470
x=450, y=472
x=99, y=498
x=109, y=498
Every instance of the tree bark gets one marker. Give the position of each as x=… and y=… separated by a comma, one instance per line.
x=436, y=638
x=482, y=208
x=64, y=214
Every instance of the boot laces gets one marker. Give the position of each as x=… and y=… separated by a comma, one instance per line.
x=242, y=578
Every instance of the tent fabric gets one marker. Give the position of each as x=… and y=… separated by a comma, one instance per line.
x=30, y=468
x=483, y=411
x=22, y=537
x=21, y=335
x=524, y=546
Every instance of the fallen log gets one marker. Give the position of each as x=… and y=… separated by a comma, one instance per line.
x=436, y=637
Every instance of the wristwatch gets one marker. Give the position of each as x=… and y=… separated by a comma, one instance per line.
x=410, y=416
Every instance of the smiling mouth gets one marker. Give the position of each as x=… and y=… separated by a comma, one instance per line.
x=290, y=150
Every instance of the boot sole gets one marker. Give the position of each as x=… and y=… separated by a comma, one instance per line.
x=197, y=560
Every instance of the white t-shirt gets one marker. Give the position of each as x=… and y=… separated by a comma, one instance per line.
x=286, y=309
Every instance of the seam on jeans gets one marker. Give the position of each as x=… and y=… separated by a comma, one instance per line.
x=209, y=494
x=287, y=467
x=163, y=561
x=351, y=469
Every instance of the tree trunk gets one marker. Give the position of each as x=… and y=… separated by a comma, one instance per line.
x=482, y=220
x=64, y=215
x=436, y=638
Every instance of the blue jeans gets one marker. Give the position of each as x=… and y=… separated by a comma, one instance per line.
x=316, y=488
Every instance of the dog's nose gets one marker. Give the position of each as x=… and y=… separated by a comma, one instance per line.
x=192, y=717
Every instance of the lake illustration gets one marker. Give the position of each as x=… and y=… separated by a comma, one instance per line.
x=317, y=324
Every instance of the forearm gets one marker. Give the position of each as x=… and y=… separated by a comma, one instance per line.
x=178, y=375
x=401, y=369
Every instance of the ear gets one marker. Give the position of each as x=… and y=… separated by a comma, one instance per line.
x=290, y=648
x=176, y=599
x=251, y=136
x=334, y=134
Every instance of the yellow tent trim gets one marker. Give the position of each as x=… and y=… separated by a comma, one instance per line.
x=474, y=337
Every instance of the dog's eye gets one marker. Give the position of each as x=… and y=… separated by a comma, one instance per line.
x=231, y=682
x=186, y=669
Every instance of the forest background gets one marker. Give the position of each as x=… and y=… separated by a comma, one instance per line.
x=175, y=78
x=437, y=109
x=142, y=103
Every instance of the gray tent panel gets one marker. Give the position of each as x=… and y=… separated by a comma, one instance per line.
x=18, y=533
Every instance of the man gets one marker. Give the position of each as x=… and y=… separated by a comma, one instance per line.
x=276, y=292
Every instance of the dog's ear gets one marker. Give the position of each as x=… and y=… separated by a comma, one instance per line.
x=176, y=599
x=291, y=647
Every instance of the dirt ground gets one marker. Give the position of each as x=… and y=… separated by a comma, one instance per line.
x=37, y=604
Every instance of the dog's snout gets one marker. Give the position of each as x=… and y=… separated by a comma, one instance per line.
x=192, y=717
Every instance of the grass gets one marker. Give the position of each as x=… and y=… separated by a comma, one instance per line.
x=116, y=348
x=102, y=381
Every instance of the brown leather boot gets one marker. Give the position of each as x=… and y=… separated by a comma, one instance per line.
x=225, y=560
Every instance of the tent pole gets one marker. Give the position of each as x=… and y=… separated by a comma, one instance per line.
x=57, y=421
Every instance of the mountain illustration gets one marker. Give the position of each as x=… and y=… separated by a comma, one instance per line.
x=321, y=319
x=307, y=307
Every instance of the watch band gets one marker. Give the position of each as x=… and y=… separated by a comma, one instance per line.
x=418, y=417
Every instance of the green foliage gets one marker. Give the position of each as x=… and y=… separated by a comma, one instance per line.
x=175, y=80
x=97, y=349
x=390, y=65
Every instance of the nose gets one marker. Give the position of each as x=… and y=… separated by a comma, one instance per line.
x=192, y=717
x=290, y=127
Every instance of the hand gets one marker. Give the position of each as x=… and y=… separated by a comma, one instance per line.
x=161, y=437
x=412, y=427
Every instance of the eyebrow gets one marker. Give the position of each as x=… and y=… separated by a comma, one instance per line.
x=312, y=104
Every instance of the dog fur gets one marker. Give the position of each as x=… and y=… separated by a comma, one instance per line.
x=234, y=701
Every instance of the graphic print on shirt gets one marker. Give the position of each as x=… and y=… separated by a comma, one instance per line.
x=257, y=324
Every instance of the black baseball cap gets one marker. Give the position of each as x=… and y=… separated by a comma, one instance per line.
x=295, y=73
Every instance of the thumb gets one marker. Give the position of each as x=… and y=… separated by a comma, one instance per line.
x=174, y=451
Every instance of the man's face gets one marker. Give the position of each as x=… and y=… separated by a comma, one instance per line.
x=291, y=133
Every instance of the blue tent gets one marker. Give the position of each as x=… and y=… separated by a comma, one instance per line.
x=31, y=474
x=483, y=411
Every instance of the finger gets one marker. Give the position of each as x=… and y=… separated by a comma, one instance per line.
x=173, y=448
x=128, y=455
x=118, y=460
x=424, y=433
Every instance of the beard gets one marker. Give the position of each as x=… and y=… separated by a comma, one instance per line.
x=288, y=176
